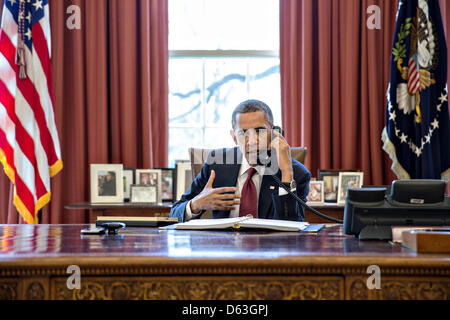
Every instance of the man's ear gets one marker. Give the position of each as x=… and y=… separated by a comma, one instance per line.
x=233, y=136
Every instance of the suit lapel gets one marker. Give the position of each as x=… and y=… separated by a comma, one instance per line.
x=228, y=176
x=233, y=169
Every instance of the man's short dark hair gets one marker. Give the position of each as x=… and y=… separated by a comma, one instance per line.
x=252, y=106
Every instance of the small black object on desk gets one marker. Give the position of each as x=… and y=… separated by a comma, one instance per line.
x=113, y=227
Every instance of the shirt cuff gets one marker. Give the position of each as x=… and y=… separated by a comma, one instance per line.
x=188, y=215
x=282, y=192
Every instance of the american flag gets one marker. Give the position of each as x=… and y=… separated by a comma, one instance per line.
x=29, y=143
x=417, y=131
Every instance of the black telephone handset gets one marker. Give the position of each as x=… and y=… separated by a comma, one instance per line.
x=264, y=159
x=279, y=129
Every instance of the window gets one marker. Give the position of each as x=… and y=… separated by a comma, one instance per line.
x=221, y=52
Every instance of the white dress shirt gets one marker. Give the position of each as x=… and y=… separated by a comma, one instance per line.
x=242, y=177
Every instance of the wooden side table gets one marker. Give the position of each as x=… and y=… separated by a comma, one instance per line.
x=122, y=209
x=330, y=209
x=163, y=210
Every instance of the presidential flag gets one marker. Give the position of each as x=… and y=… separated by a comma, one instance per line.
x=29, y=143
x=417, y=136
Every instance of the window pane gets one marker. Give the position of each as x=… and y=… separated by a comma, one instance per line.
x=180, y=140
x=264, y=84
x=185, y=20
x=216, y=138
x=226, y=87
x=204, y=91
x=185, y=90
x=223, y=24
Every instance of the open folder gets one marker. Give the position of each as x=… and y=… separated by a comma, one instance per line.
x=241, y=222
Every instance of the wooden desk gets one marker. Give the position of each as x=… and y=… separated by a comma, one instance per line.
x=131, y=209
x=145, y=263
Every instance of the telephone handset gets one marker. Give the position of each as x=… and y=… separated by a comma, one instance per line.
x=265, y=160
x=279, y=129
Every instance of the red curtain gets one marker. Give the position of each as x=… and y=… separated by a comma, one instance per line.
x=111, y=96
x=445, y=12
x=334, y=77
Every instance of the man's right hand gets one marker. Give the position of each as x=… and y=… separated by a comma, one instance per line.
x=215, y=199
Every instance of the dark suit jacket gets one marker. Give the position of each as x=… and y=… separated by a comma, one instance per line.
x=270, y=204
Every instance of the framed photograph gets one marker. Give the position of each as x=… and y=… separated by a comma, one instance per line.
x=348, y=180
x=128, y=180
x=150, y=177
x=330, y=185
x=316, y=192
x=167, y=184
x=183, y=177
x=144, y=193
x=106, y=183
x=320, y=171
x=330, y=178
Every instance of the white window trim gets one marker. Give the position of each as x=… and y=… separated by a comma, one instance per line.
x=223, y=53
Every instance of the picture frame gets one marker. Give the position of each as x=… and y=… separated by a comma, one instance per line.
x=316, y=193
x=106, y=183
x=128, y=181
x=348, y=180
x=330, y=177
x=320, y=171
x=144, y=193
x=183, y=173
x=330, y=180
x=151, y=177
x=167, y=184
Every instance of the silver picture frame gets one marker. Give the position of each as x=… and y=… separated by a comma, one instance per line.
x=144, y=193
x=348, y=180
x=128, y=181
x=151, y=177
x=316, y=195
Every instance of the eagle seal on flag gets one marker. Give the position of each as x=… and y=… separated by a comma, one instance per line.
x=417, y=136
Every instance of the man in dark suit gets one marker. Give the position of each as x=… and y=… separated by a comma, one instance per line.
x=109, y=186
x=234, y=182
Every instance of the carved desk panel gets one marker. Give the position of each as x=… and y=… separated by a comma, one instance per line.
x=148, y=263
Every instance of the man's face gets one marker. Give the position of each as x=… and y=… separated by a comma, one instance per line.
x=252, y=133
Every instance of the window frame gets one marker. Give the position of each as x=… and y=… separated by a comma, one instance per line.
x=206, y=54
